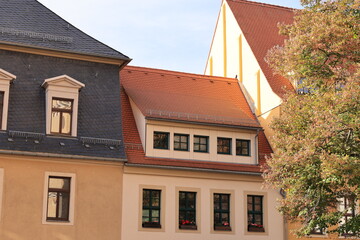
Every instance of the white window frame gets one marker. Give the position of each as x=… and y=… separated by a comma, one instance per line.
x=5, y=79
x=72, y=198
x=63, y=87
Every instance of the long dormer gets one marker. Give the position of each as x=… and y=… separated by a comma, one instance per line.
x=191, y=117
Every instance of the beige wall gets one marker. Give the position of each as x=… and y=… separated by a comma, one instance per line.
x=97, y=209
x=268, y=99
x=170, y=181
x=212, y=132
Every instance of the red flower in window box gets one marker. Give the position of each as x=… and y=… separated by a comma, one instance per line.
x=253, y=227
x=186, y=224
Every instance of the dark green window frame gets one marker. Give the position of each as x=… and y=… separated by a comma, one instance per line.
x=181, y=142
x=222, y=212
x=224, y=145
x=151, y=208
x=242, y=147
x=187, y=210
x=201, y=142
x=161, y=140
x=255, y=213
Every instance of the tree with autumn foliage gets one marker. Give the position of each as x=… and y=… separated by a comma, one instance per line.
x=316, y=140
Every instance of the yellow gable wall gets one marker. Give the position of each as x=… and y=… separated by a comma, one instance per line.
x=97, y=208
x=240, y=62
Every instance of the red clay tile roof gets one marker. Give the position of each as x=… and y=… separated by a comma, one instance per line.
x=187, y=97
x=259, y=24
x=133, y=147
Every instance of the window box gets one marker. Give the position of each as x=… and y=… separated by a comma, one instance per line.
x=151, y=225
x=188, y=226
x=222, y=228
x=255, y=228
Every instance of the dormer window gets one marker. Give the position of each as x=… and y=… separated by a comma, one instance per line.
x=61, y=116
x=62, y=97
x=5, y=79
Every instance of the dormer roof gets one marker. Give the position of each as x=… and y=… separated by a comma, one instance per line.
x=63, y=81
x=28, y=23
x=185, y=97
x=259, y=24
x=4, y=75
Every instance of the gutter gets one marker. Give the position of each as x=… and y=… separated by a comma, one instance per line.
x=204, y=123
x=192, y=169
x=57, y=155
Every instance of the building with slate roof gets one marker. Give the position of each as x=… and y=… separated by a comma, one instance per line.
x=61, y=143
x=195, y=151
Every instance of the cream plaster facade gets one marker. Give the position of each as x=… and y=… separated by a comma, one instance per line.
x=205, y=184
x=231, y=56
x=96, y=206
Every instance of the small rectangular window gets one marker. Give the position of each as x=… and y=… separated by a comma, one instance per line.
x=187, y=210
x=151, y=208
x=201, y=144
x=317, y=231
x=222, y=212
x=223, y=145
x=255, y=213
x=61, y=116
x=181, y=142
x=58, y=199
x=161, y=140
x=1, y=107
x=242, y=147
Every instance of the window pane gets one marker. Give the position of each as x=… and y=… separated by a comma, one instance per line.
x=55, y=122
x=155, y=213
x=66, y=123
x=161, y=140
x=59, y=183
x=203, y=140
x=51, y=210
x=177, y=138
x=146, y=198
x=196, y=139
x=203, y=148
x=184, y=146
x=63, y=205
x=61, y=104
x=196, y=147
x=145, y=213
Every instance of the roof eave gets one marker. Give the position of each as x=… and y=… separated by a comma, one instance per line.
x=121, y=61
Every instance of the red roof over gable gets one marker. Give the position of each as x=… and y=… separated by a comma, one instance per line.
x=259, y=24
x=132, y=77
x=187, y=97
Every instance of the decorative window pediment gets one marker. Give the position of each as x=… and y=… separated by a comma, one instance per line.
x=5, y=79
x=62, y=97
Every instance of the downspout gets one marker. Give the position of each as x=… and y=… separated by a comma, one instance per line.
x=256, y=147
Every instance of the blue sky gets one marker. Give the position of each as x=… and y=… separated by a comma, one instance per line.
x=167, y=34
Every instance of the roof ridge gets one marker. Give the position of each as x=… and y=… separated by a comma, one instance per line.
x=179, y=74
x=69, y=24
x=263, y=4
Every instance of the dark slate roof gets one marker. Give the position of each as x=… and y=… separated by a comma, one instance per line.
x=29, y=23
x=99, y=129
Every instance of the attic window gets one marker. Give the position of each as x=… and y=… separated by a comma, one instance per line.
x=5, y=79
x=62, y=97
